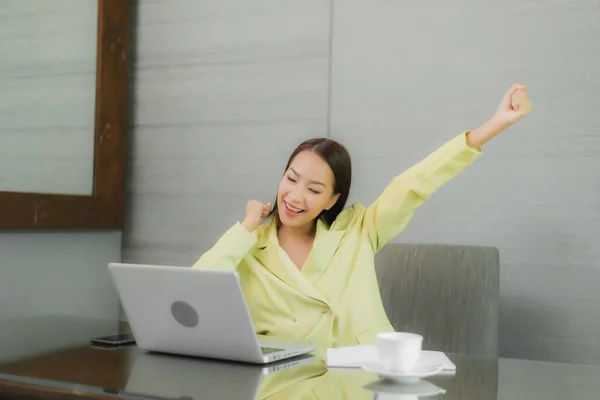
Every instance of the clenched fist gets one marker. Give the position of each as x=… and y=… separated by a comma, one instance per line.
x=514, y=105
x=256, y=212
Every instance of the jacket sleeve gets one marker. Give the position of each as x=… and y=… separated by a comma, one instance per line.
x=389, y=214
x=229, y=250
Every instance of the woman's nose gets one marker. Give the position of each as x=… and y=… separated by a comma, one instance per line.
x=295, y=195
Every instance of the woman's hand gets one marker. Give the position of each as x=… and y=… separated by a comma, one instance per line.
x=256, y=213
x=514, y=105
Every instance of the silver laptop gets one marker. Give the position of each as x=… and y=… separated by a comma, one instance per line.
x=195, y=312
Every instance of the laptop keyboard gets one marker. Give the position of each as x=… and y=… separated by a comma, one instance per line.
x=269, y=350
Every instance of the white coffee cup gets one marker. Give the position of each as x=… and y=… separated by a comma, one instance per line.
x=399, y=351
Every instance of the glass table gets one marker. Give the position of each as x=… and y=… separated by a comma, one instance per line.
x=49, y=357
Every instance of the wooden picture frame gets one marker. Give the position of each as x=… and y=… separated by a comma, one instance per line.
x=105, y=207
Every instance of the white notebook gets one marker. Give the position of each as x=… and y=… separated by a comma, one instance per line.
x=356, y=356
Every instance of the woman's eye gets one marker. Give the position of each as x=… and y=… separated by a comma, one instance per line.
x=314, y=191
x=291, y=180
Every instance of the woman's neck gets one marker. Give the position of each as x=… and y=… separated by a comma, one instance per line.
x=299, y=233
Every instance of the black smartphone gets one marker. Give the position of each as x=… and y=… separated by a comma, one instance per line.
x=122, y=339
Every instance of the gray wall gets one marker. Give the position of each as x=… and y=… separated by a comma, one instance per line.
x=525, y=379
x=225, y=90
x=58, y=273
x=47, y=80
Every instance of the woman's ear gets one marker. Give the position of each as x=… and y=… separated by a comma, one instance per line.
x=332, y=201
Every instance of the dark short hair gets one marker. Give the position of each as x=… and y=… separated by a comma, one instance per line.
x=338, y=159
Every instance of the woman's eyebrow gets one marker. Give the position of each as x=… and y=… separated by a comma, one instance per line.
x=311, y=181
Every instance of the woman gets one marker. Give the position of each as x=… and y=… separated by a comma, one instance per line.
x=308, y=273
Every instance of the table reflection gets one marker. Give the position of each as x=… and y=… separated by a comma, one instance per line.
x=306, y=377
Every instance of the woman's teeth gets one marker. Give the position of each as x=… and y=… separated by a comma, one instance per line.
x=293, y=209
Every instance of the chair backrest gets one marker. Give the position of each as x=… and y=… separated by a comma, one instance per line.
x=447, y=293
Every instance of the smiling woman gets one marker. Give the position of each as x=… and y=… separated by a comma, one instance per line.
x=316, y=183
x=308, y=273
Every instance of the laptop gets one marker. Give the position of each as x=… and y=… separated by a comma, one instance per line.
x=164, y=376
x=194, y=312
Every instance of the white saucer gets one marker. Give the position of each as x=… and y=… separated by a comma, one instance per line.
x=417, y=372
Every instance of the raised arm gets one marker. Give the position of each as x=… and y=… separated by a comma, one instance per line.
x=231, y=248
x=393, y=209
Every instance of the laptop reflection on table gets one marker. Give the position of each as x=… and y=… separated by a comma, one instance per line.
x=164, y=376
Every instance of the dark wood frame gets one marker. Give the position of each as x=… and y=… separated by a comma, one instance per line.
x=105, y=207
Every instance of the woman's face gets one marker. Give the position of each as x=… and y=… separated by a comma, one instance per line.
x=305, y=190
